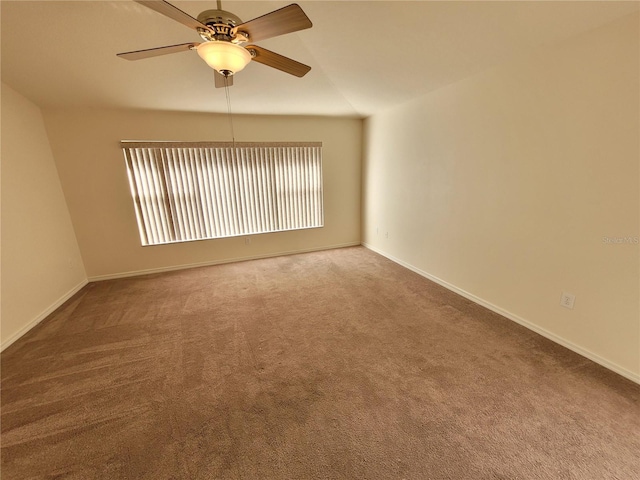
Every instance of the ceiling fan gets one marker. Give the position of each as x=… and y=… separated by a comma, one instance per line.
x=224, y=33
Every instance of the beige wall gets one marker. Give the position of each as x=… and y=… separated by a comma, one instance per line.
x=504, y=185
x=41, y=262
x=85, y=144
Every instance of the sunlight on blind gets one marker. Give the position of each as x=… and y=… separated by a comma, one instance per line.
x=186, y=192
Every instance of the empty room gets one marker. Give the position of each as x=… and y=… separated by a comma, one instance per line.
x=320, y=240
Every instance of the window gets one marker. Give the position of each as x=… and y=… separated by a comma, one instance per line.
x=192, y=191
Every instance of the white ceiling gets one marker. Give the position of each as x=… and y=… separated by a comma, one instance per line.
x=365, y=55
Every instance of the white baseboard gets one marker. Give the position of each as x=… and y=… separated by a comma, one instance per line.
x=137, y=273
x=634, y=377
x=43, y=315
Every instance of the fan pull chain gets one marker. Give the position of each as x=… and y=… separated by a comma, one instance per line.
x=226, y=91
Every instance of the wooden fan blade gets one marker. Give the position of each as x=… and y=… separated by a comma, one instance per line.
x=275, y=60
x=168, y=10
x=154, y=52
x=220, y=80
x=285, y=20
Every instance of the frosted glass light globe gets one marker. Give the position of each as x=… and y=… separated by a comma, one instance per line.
x=224, y=56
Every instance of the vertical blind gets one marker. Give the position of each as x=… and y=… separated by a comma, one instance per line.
x=192, y=191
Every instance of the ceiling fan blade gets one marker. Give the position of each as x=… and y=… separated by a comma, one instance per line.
x=285, y=20
x=220, y=80
x=154, y=52
x=168, y=10
x=275, y=60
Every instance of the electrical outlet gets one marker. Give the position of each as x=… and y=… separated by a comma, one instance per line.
x=567, y=300
x=247, y=240
x=386, y=234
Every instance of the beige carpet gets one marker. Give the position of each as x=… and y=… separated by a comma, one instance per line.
x=329, y=365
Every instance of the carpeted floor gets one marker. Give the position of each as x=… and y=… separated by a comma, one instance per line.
x=329, y=365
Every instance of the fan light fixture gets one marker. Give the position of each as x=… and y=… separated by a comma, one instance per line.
x=225, y=57
x=223, y=32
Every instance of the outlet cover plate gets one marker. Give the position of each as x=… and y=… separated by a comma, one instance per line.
x=567, y=300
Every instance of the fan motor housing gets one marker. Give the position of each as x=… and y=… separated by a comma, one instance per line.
x=221, y=22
